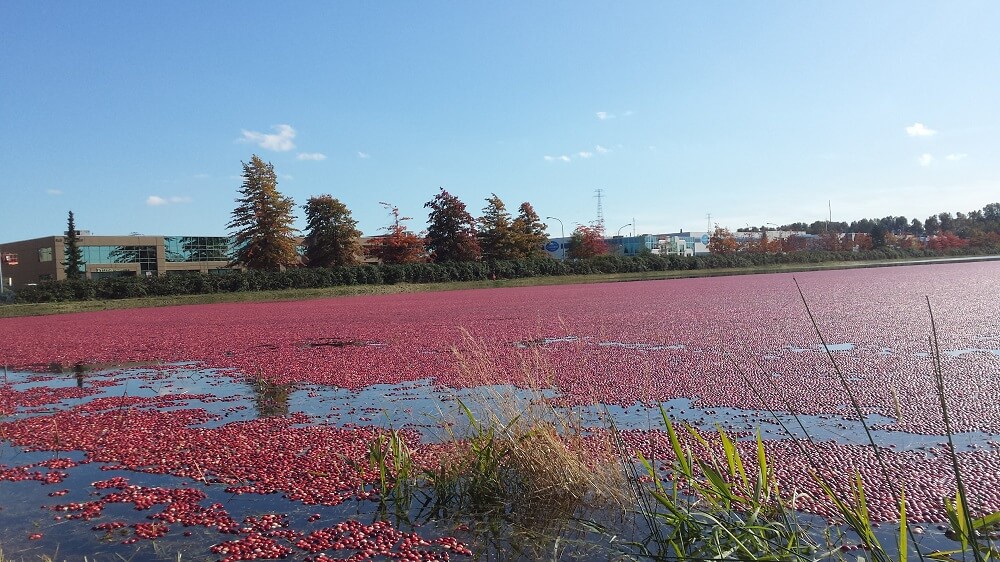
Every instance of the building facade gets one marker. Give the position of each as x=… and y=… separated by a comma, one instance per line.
x=30, y=261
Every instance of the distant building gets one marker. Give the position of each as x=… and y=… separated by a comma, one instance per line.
x=677, y=243
x=41, y=259
x=684, y=243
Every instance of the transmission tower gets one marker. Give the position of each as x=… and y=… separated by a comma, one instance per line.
x=599, y=194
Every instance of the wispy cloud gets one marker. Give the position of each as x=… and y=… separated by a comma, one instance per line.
x=364, y=155
x=585, y=154
x=601, y=150
x=920, y=130
x=604, y=115
x=281, y=141
x=925, y=160
x=201, y=176
x=311, y=156
x=157, y=201
x=54, y=191
x=956, y=157
x=562, y=158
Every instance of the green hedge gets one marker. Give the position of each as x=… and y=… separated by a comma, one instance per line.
x=302, y=278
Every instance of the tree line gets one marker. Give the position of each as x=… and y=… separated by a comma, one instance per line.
x=979, y=229
x=264, y=237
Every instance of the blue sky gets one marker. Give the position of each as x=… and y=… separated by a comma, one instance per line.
x=136, y=116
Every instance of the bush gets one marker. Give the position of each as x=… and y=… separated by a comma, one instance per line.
x=390, y=274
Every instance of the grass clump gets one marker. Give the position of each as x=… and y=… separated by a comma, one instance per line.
x=703, y=505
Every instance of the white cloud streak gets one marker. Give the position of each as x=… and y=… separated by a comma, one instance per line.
x=281, y=141
x=601, y=150
x=54, y=191
x=316, y=156
x=604, y=115
x=157, y=201
x=920, y=130
x=585, y=154
x=364, y=155
x=562, y=158
x=956, y=157
x=925, y=160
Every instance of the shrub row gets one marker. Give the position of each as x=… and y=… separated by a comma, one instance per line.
x=383, y=274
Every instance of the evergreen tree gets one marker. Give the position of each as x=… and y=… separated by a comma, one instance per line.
x=72, y=250
x=332, y=237
x=529, y=233
x=451, y=231
x=264, y=237
x=496, y=237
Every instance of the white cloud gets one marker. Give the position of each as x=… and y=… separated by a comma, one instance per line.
x=601, y=150
x=920, y=130
x=311, y=156
x=925, y=160
x=363, y=155
x=956, y=157
x=201, y=176
x=280, y=141
x=628, y=113
x=562, y=158
x=584, y=154
x=54, y=191
x=604, y=115
x=157, y=201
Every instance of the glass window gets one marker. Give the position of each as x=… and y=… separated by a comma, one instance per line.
x=145, y=256
x=196, y=248
x=45, y=254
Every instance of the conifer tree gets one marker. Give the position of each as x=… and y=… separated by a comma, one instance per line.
x=332, y=237
x=529, y=233
x=72, y=251
x=496, y=237
x=263, y=236
x=451, y=231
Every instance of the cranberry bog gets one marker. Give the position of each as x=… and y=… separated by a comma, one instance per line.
x=245, y=431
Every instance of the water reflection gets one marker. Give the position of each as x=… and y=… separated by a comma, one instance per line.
x=78, y=371
x=270, y=399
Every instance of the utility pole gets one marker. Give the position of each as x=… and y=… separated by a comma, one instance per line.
x=599, y=194
x=708, y=228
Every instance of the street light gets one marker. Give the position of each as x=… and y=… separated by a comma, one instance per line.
x=562, y=232
x=623, y=226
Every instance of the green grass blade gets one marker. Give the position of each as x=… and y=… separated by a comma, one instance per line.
x=903, y=546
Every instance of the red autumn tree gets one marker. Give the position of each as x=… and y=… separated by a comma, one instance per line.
x=398, y=245
x=587, y=242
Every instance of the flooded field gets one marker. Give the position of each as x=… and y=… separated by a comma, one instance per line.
x=234, y=431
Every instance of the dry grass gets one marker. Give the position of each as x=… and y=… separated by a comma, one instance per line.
x=548, y=460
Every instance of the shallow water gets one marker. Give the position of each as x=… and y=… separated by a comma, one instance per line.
x=435, y=411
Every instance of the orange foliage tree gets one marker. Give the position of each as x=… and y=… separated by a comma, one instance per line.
x=723, y=242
